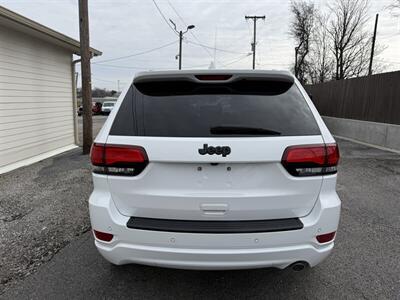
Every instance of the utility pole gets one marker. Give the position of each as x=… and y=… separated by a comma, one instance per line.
x=296, y=50
x=180, y=49
x=373, y=46
x=118, y=85
x=253, y=48
x=181, y=33
x=86, y=76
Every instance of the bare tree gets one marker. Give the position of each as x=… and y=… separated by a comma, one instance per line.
x=320, y=62
x=301, y=30
x=394, y=7
x=350, y=43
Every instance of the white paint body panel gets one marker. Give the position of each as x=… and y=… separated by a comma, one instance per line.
x=214, y=251
x=256, y=187
x=248, y=184
x=36, y=107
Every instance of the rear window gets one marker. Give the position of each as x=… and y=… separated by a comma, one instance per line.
x=244, y=108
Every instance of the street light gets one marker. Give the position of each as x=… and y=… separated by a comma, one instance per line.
x=181, y=33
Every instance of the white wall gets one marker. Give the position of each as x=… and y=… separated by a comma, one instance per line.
x=379, y=134
x=36, y=107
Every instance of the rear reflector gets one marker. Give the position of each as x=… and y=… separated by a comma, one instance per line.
x=213, y=77
x=118, y=159
x=103, y=236
x=327, y=237
x=309, y=160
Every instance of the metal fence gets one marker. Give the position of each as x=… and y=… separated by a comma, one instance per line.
x=373, y=98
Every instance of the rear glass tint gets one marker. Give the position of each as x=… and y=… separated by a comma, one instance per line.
x=244, y=108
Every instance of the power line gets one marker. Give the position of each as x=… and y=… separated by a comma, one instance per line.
x=135, y=54
x=218, y=49
x=104, y=80
x=164, y=18
x=199, y=66
x=235, y=61
x=199, y=43
x=133, y=67
x=224, y=63
x=385, y=37
x=274, y=64
x=184, y=23
x=387, y=61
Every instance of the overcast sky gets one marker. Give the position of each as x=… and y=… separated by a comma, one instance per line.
x=125, y=27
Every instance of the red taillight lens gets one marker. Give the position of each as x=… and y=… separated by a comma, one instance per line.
x=123, y=155
x=97, y=154
x=305, y=155
x=103, y=236
x=332, y=153
x=309, y=160
x=327, y=237
x=118, y=159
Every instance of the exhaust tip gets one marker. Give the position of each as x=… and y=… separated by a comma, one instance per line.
x=299, y=266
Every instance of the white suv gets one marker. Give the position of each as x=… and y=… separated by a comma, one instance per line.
x=215, y=170
x=107, y=107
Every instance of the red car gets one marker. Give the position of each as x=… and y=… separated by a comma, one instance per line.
x=96, y=109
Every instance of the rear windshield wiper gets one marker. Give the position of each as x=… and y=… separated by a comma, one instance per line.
x=242, y=130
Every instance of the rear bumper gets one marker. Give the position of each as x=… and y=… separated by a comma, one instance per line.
x=213, y=259
x=215, y=251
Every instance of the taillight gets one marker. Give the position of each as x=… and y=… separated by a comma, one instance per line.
x=122, y=160
x=309, y=160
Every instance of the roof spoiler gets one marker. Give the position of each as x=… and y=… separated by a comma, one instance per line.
x=212, y=77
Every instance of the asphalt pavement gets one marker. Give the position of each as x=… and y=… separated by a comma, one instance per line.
x=365, y=263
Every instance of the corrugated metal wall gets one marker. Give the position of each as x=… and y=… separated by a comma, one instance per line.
x=35, y=97
x=372, y=98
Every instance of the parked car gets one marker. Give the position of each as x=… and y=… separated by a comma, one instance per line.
x=215, y=170
x=96, y=108
x=107, y=107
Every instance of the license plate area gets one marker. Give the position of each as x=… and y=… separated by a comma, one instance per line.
x=225, y=176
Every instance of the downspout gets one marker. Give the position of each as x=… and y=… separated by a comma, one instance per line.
x=75, y=101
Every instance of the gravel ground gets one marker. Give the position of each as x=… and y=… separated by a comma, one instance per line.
x=42, y=208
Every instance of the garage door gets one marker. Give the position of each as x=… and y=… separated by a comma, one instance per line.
x=36, y=108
